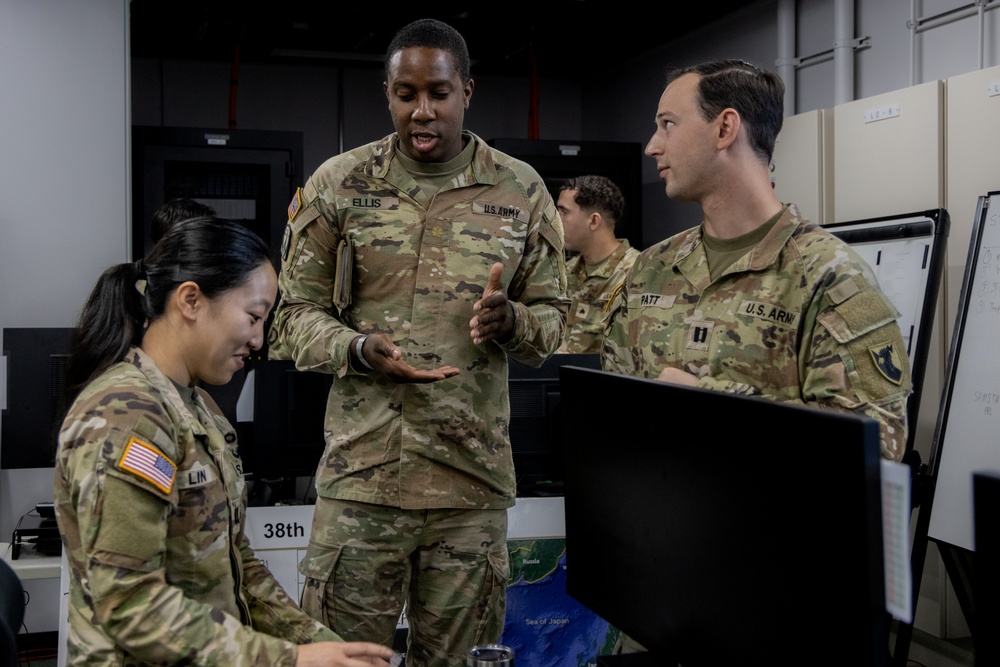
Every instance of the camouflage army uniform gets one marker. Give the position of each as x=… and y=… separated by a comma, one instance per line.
x=418, y=268
x=150, y=503
x=589, y=294
x=799, y=318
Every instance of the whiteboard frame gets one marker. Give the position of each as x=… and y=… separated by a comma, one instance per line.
x=954, y=354
x=956, y=559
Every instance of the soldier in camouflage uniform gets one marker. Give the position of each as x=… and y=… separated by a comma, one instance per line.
x=394, y=264
x=149, y=490
x=756, y=300
x=589, y=206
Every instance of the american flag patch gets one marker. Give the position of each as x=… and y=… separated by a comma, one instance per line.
x=147, y=462
x=293, y=207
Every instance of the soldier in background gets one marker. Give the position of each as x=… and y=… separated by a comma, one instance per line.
x=589, y=207
x=175, y=210
x=149, y=491
x=755, y=300
x=411, y=268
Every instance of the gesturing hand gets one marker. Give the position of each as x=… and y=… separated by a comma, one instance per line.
x=343, y=654
x=494, y=319
x=387, y=359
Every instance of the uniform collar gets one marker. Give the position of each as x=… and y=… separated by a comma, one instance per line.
x=762, y=255
x=483, y=167
x=145, y=365
x=605, y=268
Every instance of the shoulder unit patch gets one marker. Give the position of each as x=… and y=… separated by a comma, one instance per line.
x=887, y=361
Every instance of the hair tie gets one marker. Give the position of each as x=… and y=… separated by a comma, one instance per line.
x=140, y=268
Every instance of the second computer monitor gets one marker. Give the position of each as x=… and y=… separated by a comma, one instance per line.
x=717, y=529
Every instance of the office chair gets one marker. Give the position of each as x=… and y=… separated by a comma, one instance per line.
x=11, y=613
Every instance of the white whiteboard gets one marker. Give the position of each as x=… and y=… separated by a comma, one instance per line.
x=967, y=437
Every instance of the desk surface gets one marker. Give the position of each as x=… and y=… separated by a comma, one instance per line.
x=31, y=565
x=531, y=517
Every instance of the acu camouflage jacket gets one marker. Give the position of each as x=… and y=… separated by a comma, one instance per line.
x=799, y=318
x=150, y=503
x=589, y=294
x=415, y=268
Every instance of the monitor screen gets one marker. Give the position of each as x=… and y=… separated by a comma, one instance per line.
x=37, y=360
x=721, y=529
x=535, y=427
x=36, y=395
x=285, y=439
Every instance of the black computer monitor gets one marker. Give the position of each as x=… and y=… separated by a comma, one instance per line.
x=286, y=439
x=535, y=427
x=717, y=529
x=37, y=358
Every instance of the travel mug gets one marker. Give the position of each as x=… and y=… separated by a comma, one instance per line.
x=490, y=655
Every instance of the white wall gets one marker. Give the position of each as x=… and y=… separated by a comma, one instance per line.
x=64, y=192
x=621, y=107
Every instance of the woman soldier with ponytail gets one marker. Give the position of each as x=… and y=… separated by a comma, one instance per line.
x=149, y=490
